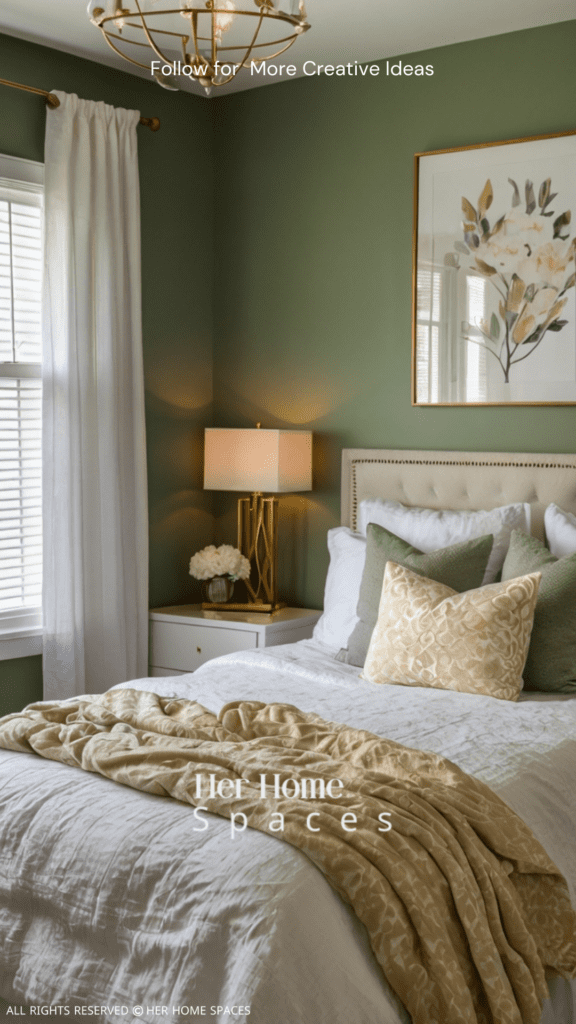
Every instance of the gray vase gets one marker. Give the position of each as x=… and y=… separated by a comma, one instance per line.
x=218, y=590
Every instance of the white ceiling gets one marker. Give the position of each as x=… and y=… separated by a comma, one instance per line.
x=342, y=30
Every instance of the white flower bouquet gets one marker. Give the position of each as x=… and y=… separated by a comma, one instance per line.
x=222, y=561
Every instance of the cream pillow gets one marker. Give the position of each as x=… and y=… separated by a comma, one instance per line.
x=429, y=635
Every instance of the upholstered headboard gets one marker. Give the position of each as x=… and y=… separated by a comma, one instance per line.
x=458, y=480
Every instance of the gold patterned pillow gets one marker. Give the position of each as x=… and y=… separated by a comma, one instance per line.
x=429, y=635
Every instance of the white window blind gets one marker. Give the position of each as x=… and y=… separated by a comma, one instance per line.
x=429, y=283
x=20, y=402
x=476, y=372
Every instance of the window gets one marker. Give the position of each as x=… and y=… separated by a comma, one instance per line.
x=20, y=406
x=437, y=349
x=427, y=333
x=442, y=353
x=476, y=351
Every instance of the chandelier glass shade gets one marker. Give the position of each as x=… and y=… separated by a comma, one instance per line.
x=208, y=42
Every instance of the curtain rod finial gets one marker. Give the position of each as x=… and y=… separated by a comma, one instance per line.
x=52, y=101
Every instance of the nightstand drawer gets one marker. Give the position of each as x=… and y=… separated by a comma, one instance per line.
x=185, y=647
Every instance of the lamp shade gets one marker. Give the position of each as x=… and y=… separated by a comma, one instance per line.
x=271, y=461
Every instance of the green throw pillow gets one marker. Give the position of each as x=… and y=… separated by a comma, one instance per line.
x=460, y=566
x=551, y=662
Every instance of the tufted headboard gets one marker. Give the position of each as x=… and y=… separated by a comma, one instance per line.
x=458, y=480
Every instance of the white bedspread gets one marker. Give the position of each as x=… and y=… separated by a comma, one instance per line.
x=110, y=898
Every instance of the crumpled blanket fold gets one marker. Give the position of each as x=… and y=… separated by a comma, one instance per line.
x=463, y=907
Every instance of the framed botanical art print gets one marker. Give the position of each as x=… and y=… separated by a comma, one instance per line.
x=494, y=309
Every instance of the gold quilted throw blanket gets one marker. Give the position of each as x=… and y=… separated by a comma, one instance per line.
x=463, y=907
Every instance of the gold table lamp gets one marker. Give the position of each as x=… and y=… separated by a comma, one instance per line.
x=259, y=461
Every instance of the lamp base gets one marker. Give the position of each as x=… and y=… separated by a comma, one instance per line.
x=258, y=541
x=248, y=607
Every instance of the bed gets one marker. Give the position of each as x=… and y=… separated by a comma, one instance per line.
x=113, y=904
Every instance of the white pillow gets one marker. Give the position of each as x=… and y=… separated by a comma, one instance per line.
x=560, y=529
x=429, y=529
x=347, y=557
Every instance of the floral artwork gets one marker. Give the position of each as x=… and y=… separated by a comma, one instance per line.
x=528, y=255
x=494, y=262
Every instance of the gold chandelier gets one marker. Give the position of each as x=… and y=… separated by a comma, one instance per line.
x=186, y=36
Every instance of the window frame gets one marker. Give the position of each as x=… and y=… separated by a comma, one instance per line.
x=21, y=628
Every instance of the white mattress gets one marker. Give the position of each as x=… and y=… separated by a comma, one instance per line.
x=109, y=898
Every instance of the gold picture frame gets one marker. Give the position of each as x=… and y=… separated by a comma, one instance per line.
x=494, y=296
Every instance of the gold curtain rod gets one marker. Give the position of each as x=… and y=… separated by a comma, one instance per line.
x=52, y=101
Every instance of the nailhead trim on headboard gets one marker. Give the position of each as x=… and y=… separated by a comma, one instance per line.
x=444, y=462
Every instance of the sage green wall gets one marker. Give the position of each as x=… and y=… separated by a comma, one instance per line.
x=20, y=683
x=177, y=233
x=313, y=260
x=310, y=225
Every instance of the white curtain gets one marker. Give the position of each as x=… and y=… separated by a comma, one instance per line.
x=95, y=596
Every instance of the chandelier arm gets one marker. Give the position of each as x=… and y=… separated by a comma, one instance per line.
x=134, y=42
x=280, y=16
x=286, y=39
x=194, y=27
x=214, y=48
x=123, y=39
x=261, y=61
x=137, y=63
x=269, y=56
x=245, y=65
x=251, y=47
x=259, y=46
x=149, y=37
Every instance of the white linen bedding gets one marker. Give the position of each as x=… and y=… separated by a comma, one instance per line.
x=113, y=900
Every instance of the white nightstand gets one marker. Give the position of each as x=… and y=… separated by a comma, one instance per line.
x=183, y=637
